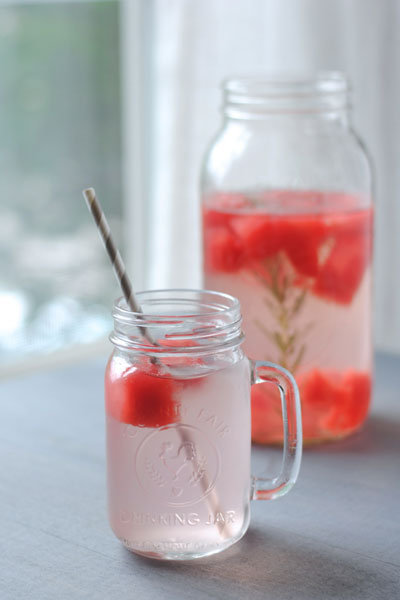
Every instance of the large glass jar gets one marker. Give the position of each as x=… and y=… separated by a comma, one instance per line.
x=287, y=224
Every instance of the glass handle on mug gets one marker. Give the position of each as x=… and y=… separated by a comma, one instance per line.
x=269, y=489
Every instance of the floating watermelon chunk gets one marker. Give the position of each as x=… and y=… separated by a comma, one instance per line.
x=258, y=235
x=342, y=272
x=149, y=395
x=318, y=388
x=302, y=237
x=341, y=275
x=142, y=398
x=318, y=395
x=220, y=209
x=149, y=400
x=223, y=252
x=215, y=218
x=352, y=404
x=333, y=403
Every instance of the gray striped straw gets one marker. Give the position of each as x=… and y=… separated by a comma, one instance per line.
x=114, y=255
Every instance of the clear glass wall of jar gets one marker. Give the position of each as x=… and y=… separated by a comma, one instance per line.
x=287, y=228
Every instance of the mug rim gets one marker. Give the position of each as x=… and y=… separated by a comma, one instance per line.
x=232, y=304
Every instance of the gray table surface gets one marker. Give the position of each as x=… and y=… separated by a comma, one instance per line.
x=336, y=535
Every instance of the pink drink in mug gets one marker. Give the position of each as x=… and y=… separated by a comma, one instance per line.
x=179, y=426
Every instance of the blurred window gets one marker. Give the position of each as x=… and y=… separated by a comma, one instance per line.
x=60, y=131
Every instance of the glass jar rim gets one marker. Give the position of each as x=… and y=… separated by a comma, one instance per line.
x=286, y=83
x=202, y=320
x=285, y=92
x=178, y=296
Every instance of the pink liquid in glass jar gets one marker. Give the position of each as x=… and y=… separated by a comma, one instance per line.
x=300, y=264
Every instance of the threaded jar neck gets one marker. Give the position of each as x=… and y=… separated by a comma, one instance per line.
x=285, y=94
x=179, y=321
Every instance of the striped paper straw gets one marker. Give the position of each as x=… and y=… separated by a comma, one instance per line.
x=114, y=256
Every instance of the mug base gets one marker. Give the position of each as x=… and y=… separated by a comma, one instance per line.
x=167, y=550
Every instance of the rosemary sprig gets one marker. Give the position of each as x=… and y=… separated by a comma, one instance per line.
x=285, y=302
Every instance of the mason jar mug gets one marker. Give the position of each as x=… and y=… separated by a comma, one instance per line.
x=178, y=425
